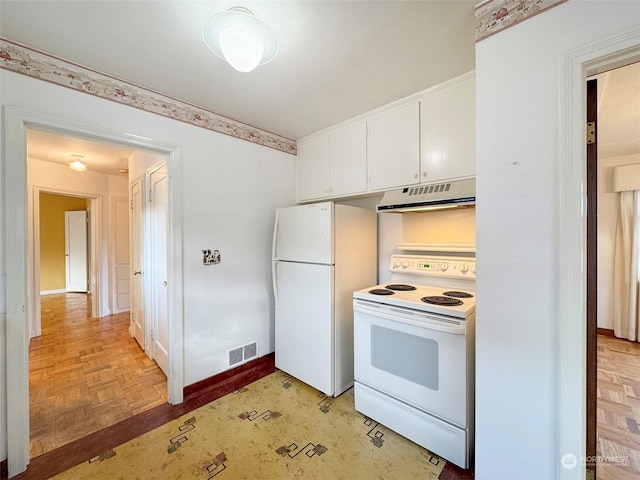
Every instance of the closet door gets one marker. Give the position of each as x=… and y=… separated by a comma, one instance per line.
x=158, y=207
x=75, y=244
x=137, y=250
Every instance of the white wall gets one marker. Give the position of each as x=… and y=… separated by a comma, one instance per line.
x=518, y=86
x=447, y=226
x=608, y=211
x=3, y=309
x=231, y=189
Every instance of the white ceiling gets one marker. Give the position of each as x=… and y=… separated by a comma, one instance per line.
x=98, y=157
x=337, y=59
x=619, y=111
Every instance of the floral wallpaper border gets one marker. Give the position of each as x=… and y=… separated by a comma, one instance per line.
x=33, y=63
x=493, y=16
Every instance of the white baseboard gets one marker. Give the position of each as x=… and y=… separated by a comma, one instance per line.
x=52, y=292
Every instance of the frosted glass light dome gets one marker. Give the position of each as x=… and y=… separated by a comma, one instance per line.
x=240, y=38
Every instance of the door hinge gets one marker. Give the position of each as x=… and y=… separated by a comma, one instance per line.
x=131, y=204
x=591, y=133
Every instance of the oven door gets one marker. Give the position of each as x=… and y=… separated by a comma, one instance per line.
x=413, y=356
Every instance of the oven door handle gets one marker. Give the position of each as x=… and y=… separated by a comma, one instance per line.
x=417, y=319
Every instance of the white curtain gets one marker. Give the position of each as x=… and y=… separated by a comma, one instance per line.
x=626, y=321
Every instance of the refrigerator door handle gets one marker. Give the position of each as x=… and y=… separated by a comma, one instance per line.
x=275, y=238
x=274, y=278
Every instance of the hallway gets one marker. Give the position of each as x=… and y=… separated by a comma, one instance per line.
x=85, y=373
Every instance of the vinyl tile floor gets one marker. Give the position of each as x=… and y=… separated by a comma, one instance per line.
x=274, y=428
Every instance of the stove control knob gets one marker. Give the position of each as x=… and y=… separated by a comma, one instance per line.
x=396, y=263
x=405, y=264
x=444, y=267
x=473, y=268
x=464, y=268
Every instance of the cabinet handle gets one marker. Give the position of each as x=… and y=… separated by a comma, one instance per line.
x=415, y=176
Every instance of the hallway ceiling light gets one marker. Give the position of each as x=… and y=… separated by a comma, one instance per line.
x=240, y=38
x=76, y=163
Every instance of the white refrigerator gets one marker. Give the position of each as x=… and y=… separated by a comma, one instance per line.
x=322, y=253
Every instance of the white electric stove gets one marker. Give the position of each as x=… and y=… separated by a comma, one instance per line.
x=414, y=352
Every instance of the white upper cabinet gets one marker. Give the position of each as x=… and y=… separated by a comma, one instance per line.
x=348, y=160
x=313, y=168
x=334, y=164
x=447, y=131
x=426, y=138
x=393, y=148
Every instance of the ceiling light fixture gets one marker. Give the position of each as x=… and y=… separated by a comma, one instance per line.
x=240, y=38
x=76, y=163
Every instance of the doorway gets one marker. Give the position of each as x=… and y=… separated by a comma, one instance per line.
x=576, y=66
x=19, y=266
x=63, y=250
x=613, y=364
x=71, y=379
x=45, y=254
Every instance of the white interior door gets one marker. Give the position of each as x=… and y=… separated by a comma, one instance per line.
x=121, y=300
x=158, y=207
x=137, y=286
x=75, y=239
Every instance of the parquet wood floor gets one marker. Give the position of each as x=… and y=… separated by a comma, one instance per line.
x=85, y=373
x=618, y=409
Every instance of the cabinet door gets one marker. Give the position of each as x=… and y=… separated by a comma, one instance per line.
x=448, y=132
x=313, y=168
x=393, y=148
x=348, y=160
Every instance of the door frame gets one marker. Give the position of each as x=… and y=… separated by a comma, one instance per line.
x=576, y=65
x=16, y=123
x=95, y=240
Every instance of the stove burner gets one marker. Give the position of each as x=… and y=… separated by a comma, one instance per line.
x=438, y=300
x=381, y=291
x=400, y=287
x=453, y=293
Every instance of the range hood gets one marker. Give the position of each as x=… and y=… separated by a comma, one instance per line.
x=437, y=196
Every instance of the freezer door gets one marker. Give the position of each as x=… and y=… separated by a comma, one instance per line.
x=304, y=233
x=304, y=326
